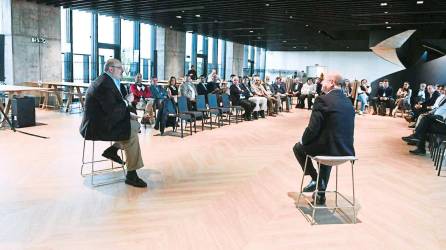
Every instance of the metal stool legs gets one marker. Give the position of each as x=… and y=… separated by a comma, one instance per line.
x=93, y=172
x=314, y=206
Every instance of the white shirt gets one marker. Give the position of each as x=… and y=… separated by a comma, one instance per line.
x=308, y=89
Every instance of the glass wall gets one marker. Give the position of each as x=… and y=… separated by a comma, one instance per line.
x=210, y=54
x=188, y=58
x=129, y=56
x=146, y=51
x=106, y=31
x=81, y=45
x=221, y=58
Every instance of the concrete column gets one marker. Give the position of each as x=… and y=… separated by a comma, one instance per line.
x=174, y=53
x=36, y=61
x=237, y=59
x=160, y=51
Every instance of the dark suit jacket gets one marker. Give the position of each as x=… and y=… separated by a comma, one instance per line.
x=212, y=86
x=430, y=101
x=245, y=90
x=331, y=127
x=202, y=89
x=278, y=88
x=388, y=91
x=235, y=95
x=106, y=116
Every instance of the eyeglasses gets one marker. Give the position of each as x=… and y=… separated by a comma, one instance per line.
x=118, y=67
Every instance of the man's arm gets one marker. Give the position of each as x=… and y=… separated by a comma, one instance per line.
x=115, y=109
x=313, y=129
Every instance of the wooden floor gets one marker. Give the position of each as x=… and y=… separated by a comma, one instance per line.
x=230, y=188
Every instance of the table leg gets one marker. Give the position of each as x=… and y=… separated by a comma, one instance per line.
x=57, y=93
x=79, y=94
x=70, y=97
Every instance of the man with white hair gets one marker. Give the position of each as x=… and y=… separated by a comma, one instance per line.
x=107, y=117
x=329, y=133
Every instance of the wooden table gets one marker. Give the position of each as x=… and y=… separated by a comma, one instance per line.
x=14, y=90
x=73, y=88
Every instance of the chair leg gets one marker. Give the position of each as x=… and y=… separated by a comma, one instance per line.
x=181, y=124
x=190, y=127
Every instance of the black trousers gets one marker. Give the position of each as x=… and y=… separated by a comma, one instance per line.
x=390, y=103
x=302, y=100
x=248, y=106
x=325, y=170
x=428, y=124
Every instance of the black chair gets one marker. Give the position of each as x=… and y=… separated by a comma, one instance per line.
x=213, y=104
x=201, y=107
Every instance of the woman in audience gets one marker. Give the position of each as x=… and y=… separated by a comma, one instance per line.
x=403, y=98
x=142, y=99
x=172, y=89
x=363, y=94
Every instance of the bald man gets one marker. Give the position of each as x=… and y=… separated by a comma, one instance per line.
x=329, y=133
x=107, y=117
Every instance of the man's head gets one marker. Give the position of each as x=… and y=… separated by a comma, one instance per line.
x=114, y=67
x=331, y=81
x=192, y=67
x=138, y=78
x=441, y=89
x=154, y=81
x=256, y=80
x=202, y=78
x=430, y=88
x=406, y=85
x=310, y=80
x=235, y=80
x=422, y=86
x=385, y=83
x=187, y=79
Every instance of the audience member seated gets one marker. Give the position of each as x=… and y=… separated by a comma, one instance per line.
x=188, y=90
x=240, y=98
x=421, y=95
x=202, y=86
x=318, y=83
x=213, y=76
x=363, y=95
x=158, y=93
x=308, y=92
x=213, y=85
x=428, y=124
x=421, y=108
x=384, y=98
x=172, y=89
x=403, y=96
x=271, y=100
x=142, y=99
x=295, y=89
x=260, y=102
x=279, y=90
x=257, y=92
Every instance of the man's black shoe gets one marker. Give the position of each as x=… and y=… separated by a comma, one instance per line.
x=410, y=138
x=418, y=152
x=412, y=125
x=255, y=115
x=409, y=118
x=133, y=179
x=412, y=143
x=320, y=199
x=312, y=186
x=111, y=153
x=262, y=113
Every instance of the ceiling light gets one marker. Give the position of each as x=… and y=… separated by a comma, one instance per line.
x=383, y=4
x=189, y=31
x=420, y=2
x=348, y=47
x=387, y=22
x=294, y=47
x=267, y=4
x=307, y=25
x=197, y=15
x=179, y=17
x=284, y=41
x=259, y=37
x=251, y=31
x=171, y=26
x=388, y=27
x=291, y=17
x=305, y=47
x=215, y=21
x=385, y=12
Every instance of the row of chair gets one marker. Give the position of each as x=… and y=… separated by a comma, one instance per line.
x=437, y=149
x=205, y=112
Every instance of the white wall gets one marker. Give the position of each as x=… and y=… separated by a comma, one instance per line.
x=351, y=65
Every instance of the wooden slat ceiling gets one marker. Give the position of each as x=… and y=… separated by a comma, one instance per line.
x=278, y=24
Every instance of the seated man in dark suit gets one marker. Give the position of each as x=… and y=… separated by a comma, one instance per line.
x=107, y=117
x=238, y=99
x=201, y=86
x=329, y=133
x=384, y=96
x=431, y=96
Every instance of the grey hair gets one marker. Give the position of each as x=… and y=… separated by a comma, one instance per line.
x=111, y=62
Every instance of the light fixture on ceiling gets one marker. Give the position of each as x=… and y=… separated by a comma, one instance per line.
x=387, y=22
x=291, y=17
x=388, y=27
x=284, y=41
x=294, y=47
x=307, y=25
x=305, y=47
x=171, y=27
x=197, y=15
x=259, y=37
x=267, y=4
x=251, y=31
x=385, y=12
x=348, y=47
x=179, y=17
x=189, y=31
x=420, y=2
x=383, y=4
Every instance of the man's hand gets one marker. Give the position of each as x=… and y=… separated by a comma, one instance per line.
x=133, y=116
x=130, y=98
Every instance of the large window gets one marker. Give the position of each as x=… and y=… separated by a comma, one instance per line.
x=146, y=51
x=188, y=58
x=221, y=61
x=81, y=45
x=129, y=56
x=200, y=49
x=211, y=55
x=106, y=31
